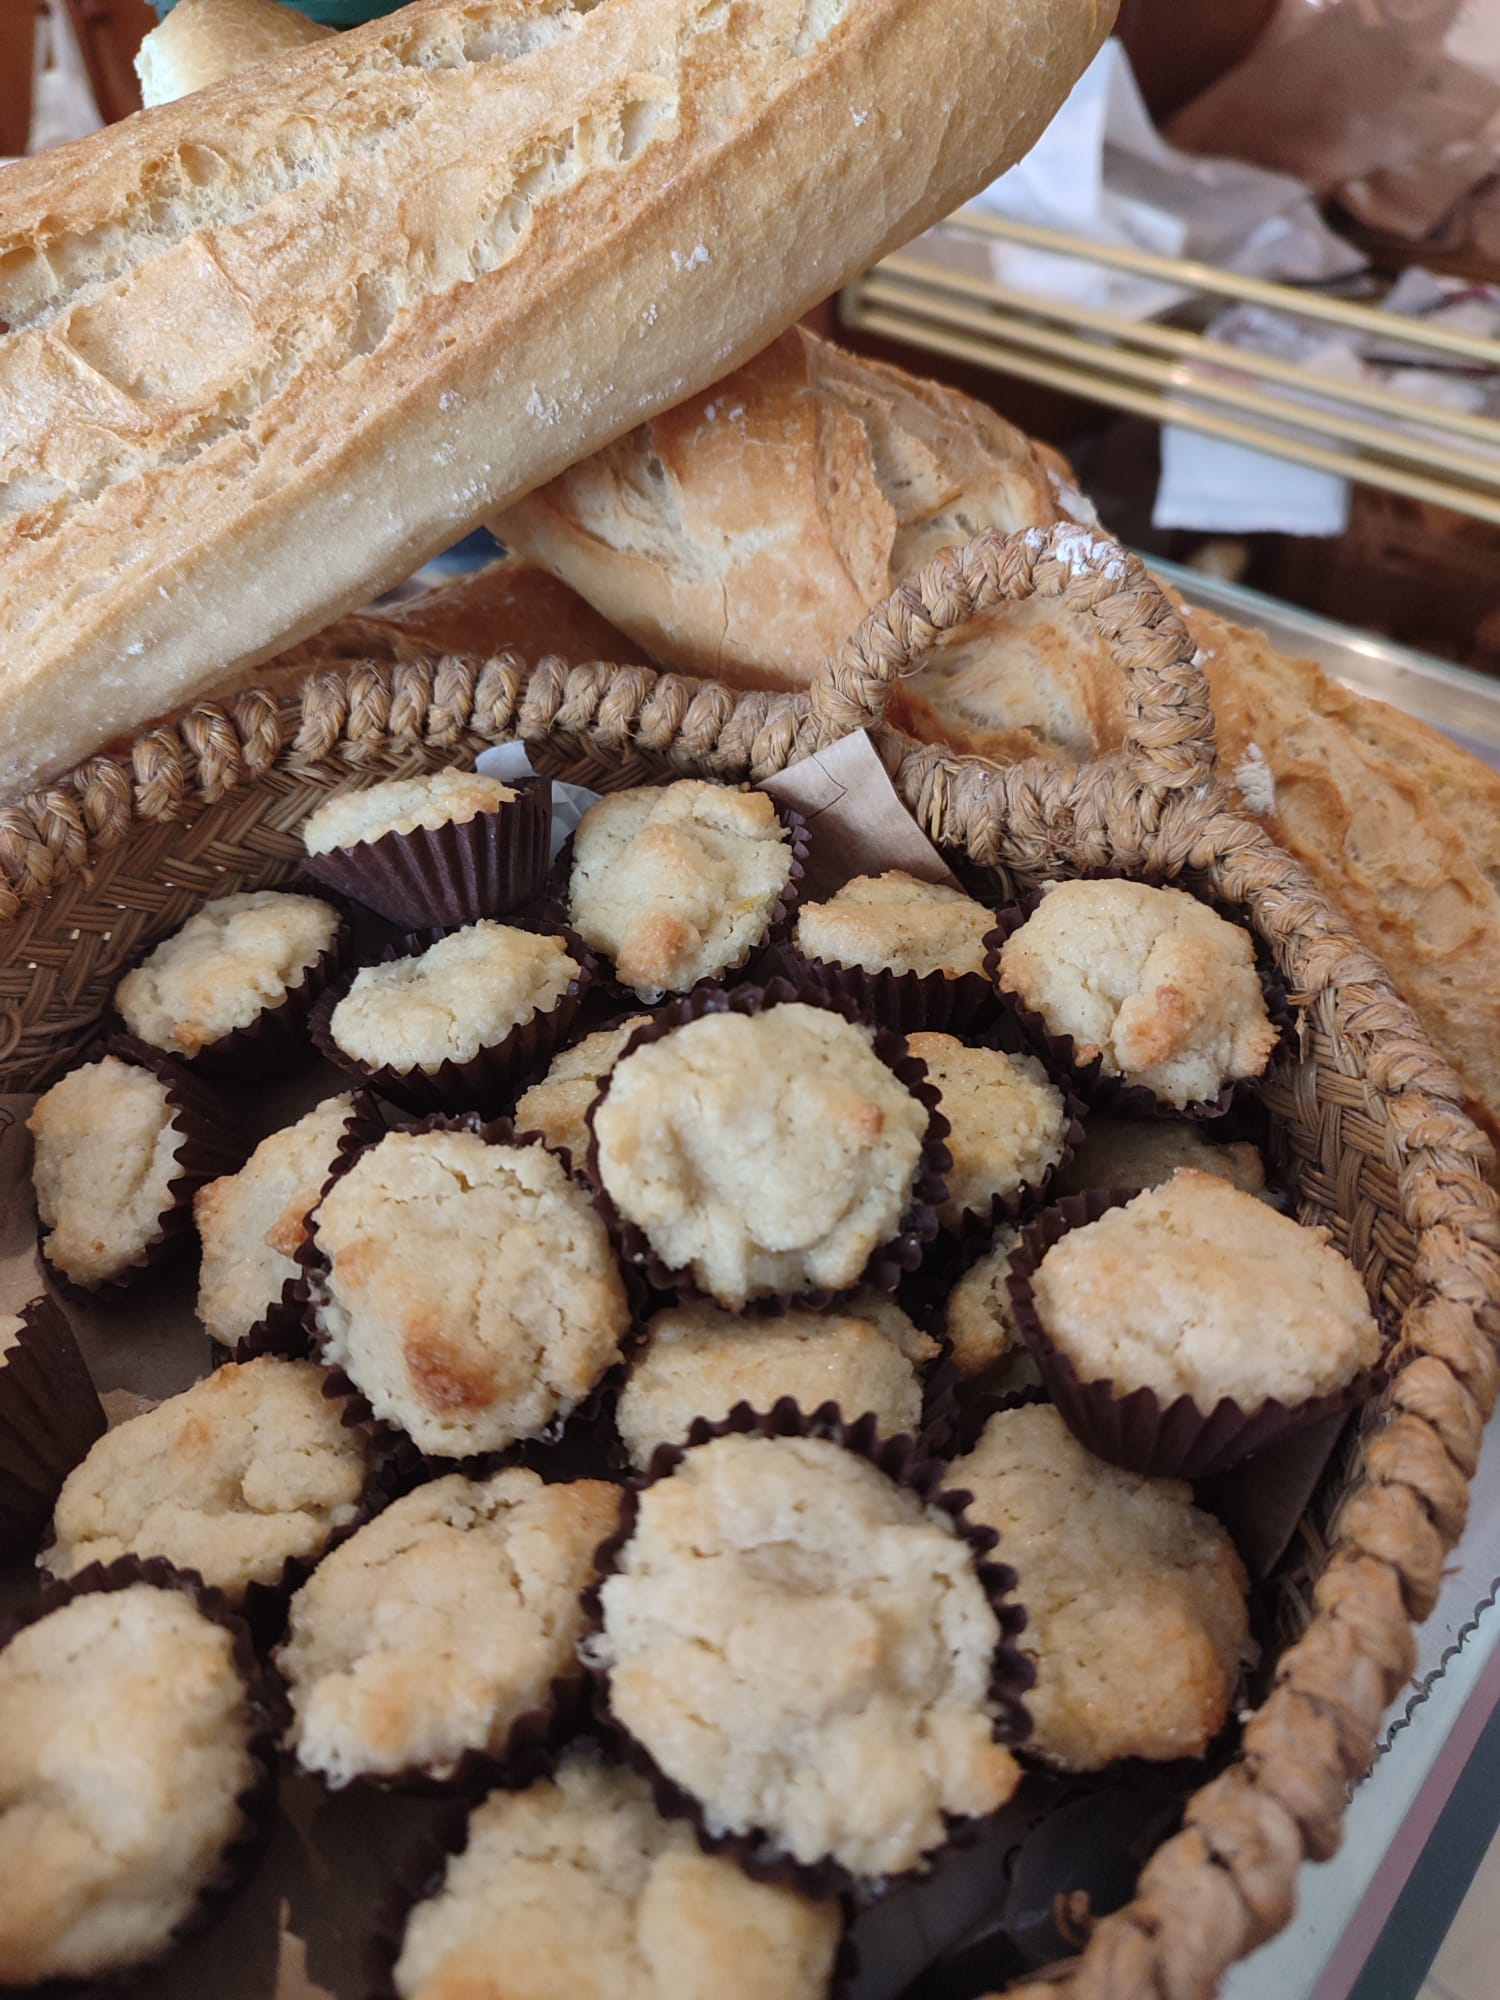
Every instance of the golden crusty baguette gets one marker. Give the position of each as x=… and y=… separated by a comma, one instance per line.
x=509, y=605
x=202, y=41
x=271, y=346
x=659, y=531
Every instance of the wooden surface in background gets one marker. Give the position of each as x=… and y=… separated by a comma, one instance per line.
x=109, y=33
x=17, y=38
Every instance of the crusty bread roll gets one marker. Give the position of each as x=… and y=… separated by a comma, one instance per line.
x=269, y=347
x=202, y=41
x=748, y=544
x=509, y=605
x=734, y=533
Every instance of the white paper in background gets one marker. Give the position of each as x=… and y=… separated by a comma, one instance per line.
x=1212, y=485
x=62, y=102
x=508, y=761
x=1102, y=170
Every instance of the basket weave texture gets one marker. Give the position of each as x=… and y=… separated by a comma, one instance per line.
x=118, y=853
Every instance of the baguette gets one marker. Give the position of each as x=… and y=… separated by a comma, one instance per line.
x=269, y=347
x=660, y=533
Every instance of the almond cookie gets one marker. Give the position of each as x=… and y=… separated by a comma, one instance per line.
x=677, y=883
x=1135, y=1600
x=1158, y=987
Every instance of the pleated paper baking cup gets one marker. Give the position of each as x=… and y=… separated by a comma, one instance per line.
x=263, y=1721
x=758, y=960
x=587, y=1418
x=452, y=874
x=50, y=1414
x=902, y=1460
x=909, y=1003
x=1167, y=1438
x=488, y=1080
x=210, y=1145
x=890, y=1261
x=1114, y=1094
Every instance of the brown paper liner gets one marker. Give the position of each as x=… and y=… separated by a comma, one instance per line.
x=918, y=1227
x=1172, y=1439
x=902, y=1461
x=453, y=874
x=758, y=962
x=211, y=1145
x=424, y=1871
x=50, y=1414
x=909, y=1003
x=263, y=1712
x=489, y=1079
x=406, y=1457
x=282, y=1327
x=1113, y=1094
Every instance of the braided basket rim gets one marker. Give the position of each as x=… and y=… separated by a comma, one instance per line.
x=1226, y=1881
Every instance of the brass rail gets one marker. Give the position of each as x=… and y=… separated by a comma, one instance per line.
x=1450, y=458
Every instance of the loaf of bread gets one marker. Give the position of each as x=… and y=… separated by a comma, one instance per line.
x=733, y=533
x=202, y=41
x=747, y=532
x=511, y=605
x=265, y=349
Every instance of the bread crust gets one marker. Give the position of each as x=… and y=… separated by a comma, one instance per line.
x=271, y=346
x=744, y=534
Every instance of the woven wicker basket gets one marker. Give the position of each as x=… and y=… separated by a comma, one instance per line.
x=95, y=867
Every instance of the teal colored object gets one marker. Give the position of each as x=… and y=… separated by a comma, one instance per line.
x=332, y=13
